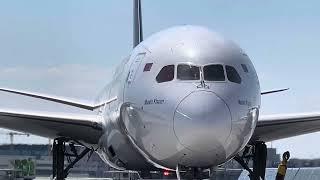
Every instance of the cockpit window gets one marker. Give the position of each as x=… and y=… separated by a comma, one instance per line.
x=166, y=74
x=214, y=73
x=188, y=72
x=233, y=75
x=245, y=68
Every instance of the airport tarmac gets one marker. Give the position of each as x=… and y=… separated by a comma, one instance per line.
x=292, y=173
x=76, y=178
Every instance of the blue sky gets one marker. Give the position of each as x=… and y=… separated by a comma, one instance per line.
x=69, y=48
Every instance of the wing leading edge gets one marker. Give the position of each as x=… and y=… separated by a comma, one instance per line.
x=61, y=100
x=86, y=128
x=276, y=127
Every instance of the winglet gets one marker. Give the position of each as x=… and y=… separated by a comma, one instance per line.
x=274, y=91
x=74, y=103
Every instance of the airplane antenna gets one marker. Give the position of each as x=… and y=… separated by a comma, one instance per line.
x=137, y=23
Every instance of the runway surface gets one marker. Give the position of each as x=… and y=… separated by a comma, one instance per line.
x=75, y=178
x=292, y=173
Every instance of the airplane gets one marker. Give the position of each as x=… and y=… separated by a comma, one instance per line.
x=186, y=99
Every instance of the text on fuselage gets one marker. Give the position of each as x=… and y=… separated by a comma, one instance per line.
x=153, y=101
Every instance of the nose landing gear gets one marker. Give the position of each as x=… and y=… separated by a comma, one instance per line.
x=191, y=173
x=178, y=170
x=258, y=154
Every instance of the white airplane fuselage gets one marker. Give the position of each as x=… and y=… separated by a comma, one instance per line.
x=197, y=122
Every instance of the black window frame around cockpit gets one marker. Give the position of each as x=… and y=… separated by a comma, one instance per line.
x=188, y=79
x=162, y=74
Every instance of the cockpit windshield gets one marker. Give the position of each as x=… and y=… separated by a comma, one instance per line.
x=233, y=75
x=188, y=72
x=166, y=74
x=214, y=72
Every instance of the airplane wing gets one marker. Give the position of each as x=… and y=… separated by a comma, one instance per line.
x=276, y=127
x=61, y=100
x=86, y=128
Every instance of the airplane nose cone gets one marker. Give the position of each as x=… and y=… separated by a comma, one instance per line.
x=202, y=121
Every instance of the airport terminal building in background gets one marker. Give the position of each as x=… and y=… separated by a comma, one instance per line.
x=41, y=156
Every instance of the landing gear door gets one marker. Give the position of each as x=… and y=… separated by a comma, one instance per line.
x=134, y=67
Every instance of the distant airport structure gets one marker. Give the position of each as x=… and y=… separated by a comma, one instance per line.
x=42, y=159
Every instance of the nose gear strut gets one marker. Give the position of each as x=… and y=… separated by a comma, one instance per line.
x=183, y=172
x=178, y=169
